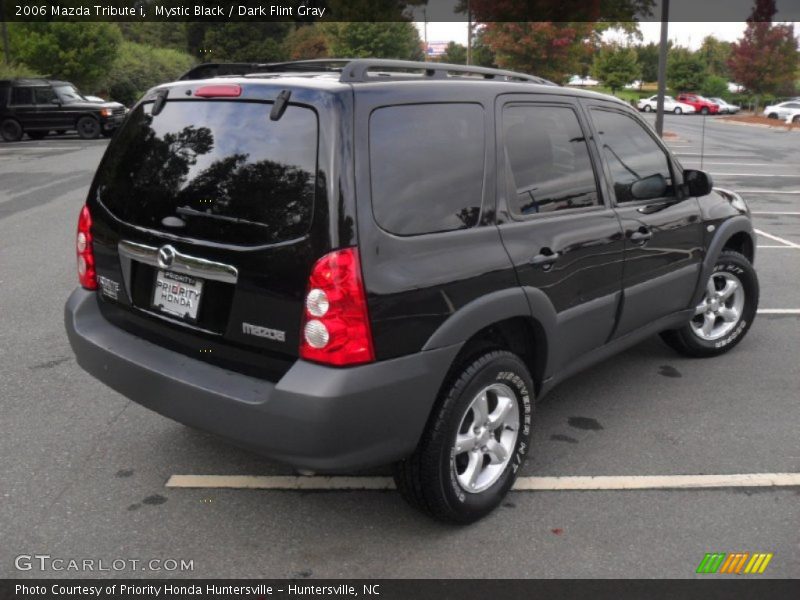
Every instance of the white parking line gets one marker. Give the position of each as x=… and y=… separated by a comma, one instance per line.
x=778, y=311
x=777, y=239
x=624, y=482
x=767, y=212
x=768, y=191
x=768, y=247
x=754, y=175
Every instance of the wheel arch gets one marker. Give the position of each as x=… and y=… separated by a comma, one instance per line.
x=734, y=234
x=521, y=320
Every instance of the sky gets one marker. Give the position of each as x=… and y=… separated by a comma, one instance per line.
x=682, y=34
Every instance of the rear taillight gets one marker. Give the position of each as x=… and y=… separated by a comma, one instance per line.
x=83, y=246
x=335, y=321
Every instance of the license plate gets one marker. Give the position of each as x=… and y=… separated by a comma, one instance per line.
x=177, y=294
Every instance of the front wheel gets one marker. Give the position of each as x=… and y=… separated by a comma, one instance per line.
x=88, y=128
x=704, y=111
x=725, y=312
x=475, y=442
x=648, y=108
x=678, y=110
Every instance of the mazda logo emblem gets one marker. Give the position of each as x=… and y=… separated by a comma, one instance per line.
x=166, y=256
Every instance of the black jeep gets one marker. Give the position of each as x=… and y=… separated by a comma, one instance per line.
x=39, y=106
x=365, y=262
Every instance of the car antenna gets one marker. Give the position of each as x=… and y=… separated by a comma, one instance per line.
x=280, y=105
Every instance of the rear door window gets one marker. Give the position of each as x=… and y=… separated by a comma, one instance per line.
x=223, y=167
x=22, y=96
x=426, y=166
x=548, y=160
x=44, y=95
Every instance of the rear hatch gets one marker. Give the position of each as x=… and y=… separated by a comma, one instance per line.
x=203, y=214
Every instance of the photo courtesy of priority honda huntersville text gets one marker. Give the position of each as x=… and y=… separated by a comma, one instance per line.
x=342, y=264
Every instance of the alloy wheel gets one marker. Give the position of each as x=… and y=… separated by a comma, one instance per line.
x=721, y=308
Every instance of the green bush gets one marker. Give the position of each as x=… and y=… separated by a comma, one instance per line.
x=137, y=68
x=714, y=86
x=16, y=71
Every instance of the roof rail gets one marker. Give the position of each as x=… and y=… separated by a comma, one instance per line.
x=358, y=71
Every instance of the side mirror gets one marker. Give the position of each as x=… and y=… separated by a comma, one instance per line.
x=698, y=183
x=649, y=188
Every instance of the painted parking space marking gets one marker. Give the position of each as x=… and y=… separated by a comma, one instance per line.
x=769, y=191
x=768, y=212
x=775, y=238
x=578, y=483
x=795, y=175
x=778, y=311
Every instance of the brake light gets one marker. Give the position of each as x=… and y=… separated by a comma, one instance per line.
x=336, y=327
x=219, y=91
x=83, y=246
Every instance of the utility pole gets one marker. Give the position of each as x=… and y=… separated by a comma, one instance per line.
x=469, y=34
x=425, y=31
x=4, y=27
x=662, y=68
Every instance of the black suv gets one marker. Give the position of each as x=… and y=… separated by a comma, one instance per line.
x=39, y=106
x=343, y=265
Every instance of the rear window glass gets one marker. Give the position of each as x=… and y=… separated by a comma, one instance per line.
x=426, y=163
x=224, y=168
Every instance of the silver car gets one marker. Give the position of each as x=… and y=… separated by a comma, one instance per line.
x=726, y=107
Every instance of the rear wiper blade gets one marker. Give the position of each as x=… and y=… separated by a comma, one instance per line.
x=188, y=211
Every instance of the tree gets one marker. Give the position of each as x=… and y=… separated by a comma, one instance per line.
x=551, y=50
x=714, y=86
x=616, y=66
x=455, y=54
x=482, y=54
x=647, y=57
x=248, y=41
x=765, y=59
x=78, y=52
x=686, y=71
x=307, y=41
x=396, y=39
x=715, y=53
x=139, y=67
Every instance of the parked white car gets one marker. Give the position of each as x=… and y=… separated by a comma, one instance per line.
x=726, y=107
x=782, y=110
x=670, y=105
x=577, y=80
x=793, y=117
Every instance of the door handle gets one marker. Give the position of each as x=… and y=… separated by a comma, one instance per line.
x=545, y=258
x=641, y=236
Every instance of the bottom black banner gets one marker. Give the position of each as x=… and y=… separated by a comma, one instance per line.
x=400, y=589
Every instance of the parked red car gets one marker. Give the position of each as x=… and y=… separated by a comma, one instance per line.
x=702, y=105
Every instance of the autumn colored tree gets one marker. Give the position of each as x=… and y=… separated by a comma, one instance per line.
x=307, y=41
x=547, y=49
x=765, y=59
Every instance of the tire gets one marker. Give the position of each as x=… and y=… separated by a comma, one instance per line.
x=796, y=119
x=11, y=130
x=435, y=478
x=730, y=317
x=37, y=135
x=678, y=110
x=648, y=108
x=704, y=111
x=772, y=116
x=88, y=128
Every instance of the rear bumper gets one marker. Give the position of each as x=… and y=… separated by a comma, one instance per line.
x=315, y=417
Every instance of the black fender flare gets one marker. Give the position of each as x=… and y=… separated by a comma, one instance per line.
x=527, y=302
x=726, y=230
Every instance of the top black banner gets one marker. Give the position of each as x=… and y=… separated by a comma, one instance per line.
x=395, y=10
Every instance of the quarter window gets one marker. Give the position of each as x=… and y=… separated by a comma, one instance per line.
x=631, y=153
x=426, y=164
x=547, y=159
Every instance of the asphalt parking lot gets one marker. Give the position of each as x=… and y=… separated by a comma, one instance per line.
x=84, y=471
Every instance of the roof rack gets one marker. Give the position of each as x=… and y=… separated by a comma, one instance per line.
x=362, y=70
x=358, y=70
